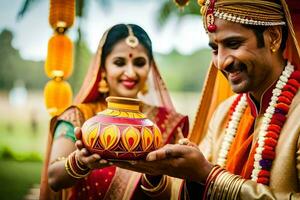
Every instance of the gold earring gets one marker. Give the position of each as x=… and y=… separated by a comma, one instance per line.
x=145, y=89
x=273, y=49
x=102, y=85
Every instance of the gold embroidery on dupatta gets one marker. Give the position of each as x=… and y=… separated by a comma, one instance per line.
x=122, y=185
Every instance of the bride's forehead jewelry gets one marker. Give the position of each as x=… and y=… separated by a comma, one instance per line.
x=131, y=40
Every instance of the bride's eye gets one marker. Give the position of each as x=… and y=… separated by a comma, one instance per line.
x=140, y=62
x=119, y=62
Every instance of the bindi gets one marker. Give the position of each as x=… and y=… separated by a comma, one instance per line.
x=130, y=55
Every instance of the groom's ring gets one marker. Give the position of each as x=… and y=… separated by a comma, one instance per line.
x=183, y=141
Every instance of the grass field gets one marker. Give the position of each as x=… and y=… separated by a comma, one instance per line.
x=19, y=141
x=20, y=137
x=17, y=177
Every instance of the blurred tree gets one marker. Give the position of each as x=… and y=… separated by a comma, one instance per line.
x=184, y=73
x=13, y=67
x=168, y=9
x=7, y=65
x=82, y=53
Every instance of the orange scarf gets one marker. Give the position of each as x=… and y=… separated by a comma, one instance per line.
x=240, y=151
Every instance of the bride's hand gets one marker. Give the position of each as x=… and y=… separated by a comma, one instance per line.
x=92, y=161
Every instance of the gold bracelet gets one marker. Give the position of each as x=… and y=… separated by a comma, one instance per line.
x=229, y=182
x=237, y=186
x=210, y=181
x=220, y=186
x=78, y=171
x=160, y=185
x=67, y=167
x=159, y=190
x=147, y=181
x=71, y=171
x=214, y=186
x=80, y=165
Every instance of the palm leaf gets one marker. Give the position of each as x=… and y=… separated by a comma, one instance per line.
x=168, y=9
x=27, y=5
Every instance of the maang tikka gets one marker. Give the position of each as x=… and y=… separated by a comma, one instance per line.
x=131, y=40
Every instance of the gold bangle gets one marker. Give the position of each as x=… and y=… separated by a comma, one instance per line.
x=221, y=181
x=224, y=189
x=147, y=181
x=210, y=180
x=160, y=191
x=209, y=190
x=160, y=185
x=218, y=185
x=79, y=172
x=71, y=171
x=230, y=180
x=214, y=186
x=67, y=167
x=80, y=164
x=238, y=184
x=232, y=191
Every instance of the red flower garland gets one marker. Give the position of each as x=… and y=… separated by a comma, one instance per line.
x=274, y=127
x=277, y=121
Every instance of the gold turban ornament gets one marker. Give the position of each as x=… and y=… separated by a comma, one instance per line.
x=252, y=12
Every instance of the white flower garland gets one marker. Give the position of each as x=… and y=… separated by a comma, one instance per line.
x=289, y=69
x=231, y=130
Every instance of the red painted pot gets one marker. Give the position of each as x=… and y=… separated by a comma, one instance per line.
x=121, y=131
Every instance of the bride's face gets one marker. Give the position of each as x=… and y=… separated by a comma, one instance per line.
x=126, y=69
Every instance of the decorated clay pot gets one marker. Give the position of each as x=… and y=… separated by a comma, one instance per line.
x=121, y=131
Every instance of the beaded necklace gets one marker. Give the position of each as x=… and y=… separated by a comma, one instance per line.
x=273, y=120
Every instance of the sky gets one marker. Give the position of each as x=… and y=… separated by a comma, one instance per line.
x=32, y=32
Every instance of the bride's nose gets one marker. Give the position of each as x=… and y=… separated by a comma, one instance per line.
x=129, y=71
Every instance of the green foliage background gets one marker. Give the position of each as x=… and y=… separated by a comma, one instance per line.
x=184, y=72
x=13, y=67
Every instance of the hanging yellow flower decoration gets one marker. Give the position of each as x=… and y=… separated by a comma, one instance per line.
x=57, y=95
x=62, y=14
x=59, y=57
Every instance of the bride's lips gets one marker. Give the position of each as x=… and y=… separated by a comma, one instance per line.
x=129, y=84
